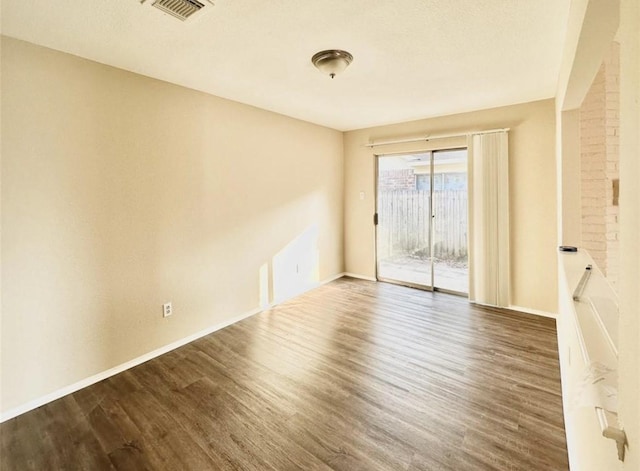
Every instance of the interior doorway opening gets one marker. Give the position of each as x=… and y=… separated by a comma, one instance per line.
x=422, y=220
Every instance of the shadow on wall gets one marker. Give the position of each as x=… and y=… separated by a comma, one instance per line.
x=294, y=269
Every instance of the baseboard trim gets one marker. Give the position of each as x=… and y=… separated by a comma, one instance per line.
x=34, y=404
x=360, y=277
x=41, y=401
x=535, y=312
x=332, y=278
x=310, y=288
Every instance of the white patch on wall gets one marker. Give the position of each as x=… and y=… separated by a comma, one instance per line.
x=296, y=267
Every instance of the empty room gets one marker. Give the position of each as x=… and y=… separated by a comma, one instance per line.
x=241, y=235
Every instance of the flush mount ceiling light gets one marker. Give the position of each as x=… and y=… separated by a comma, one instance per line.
x=332, y=61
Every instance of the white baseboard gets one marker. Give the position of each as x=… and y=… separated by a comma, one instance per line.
x=536, y=312
x=34, y=404
x=332, y=278
x=310, y=288
x=360, y=277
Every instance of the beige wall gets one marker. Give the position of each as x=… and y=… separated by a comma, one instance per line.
x=532, y=192
x=629, y=365
x=120, y=193
x=569, y=178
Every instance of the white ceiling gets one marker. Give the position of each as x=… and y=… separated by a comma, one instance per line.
x=412, y=58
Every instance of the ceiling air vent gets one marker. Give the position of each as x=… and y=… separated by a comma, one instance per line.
x=182, y=9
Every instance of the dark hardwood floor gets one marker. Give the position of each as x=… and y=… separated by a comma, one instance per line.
x=354, y=375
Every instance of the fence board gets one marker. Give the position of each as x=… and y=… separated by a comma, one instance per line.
x=403, y=224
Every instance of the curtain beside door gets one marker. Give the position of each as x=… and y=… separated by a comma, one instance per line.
x=489, y=219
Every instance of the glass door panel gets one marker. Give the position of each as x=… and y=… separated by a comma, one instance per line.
x=403, y=234
x=450, y=221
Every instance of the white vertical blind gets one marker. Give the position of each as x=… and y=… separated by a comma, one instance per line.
x=489, y=219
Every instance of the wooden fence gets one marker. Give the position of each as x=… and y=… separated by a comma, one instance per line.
x=403, y=223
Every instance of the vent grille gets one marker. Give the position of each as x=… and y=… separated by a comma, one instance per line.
x=181, y=9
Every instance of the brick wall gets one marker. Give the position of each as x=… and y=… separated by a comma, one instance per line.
x=400, y=179
x=599, y=124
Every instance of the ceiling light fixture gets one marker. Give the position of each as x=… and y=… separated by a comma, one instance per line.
x=332, y=61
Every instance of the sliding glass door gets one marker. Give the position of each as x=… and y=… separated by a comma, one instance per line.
x=450, y=221
x=403, y=230
x=421, y=232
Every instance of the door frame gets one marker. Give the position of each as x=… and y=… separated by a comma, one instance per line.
x=377, y=156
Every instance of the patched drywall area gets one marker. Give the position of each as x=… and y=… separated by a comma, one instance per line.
x=600, y=172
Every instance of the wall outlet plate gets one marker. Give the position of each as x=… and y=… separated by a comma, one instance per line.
x=166, y=310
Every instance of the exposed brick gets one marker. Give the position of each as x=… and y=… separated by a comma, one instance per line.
x=599, y=151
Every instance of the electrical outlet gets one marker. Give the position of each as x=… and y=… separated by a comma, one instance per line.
x=166, y=310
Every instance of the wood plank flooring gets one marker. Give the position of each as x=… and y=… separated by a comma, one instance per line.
x=354, y=375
